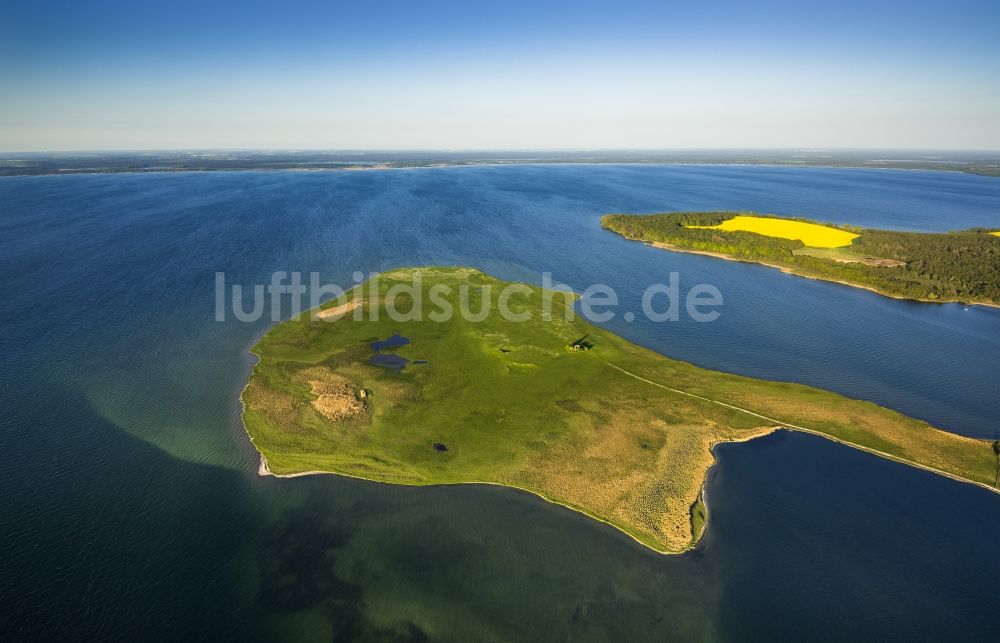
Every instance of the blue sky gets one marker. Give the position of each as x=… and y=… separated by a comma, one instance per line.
x=469, y=75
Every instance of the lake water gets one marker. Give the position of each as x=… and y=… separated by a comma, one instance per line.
x=389, y=343
x=131, y=504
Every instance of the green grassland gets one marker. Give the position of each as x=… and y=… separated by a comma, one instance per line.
x=616, y=431
x=959, y=266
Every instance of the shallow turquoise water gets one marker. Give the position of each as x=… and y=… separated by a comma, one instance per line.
x=131, y=502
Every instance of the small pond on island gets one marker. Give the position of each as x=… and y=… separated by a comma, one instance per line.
x=390, y=360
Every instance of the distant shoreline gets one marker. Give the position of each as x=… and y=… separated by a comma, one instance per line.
x=37, y=164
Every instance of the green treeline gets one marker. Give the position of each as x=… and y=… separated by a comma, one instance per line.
x=953, y=266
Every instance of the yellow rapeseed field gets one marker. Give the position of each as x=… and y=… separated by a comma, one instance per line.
x=811, y=234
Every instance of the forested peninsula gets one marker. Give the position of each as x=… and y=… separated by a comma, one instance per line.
x=962, y=266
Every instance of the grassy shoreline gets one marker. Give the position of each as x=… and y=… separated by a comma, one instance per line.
x=617, y=432
x=699, y=509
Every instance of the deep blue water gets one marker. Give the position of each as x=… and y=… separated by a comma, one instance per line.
x=389, y=343
x=131, y=504
x=394, y=362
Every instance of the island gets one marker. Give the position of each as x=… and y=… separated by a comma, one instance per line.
x=959, y=267
x=546, y=403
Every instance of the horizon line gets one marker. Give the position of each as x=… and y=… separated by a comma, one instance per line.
x=500, y=150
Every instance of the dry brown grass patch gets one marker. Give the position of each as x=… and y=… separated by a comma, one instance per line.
x=337, y=398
